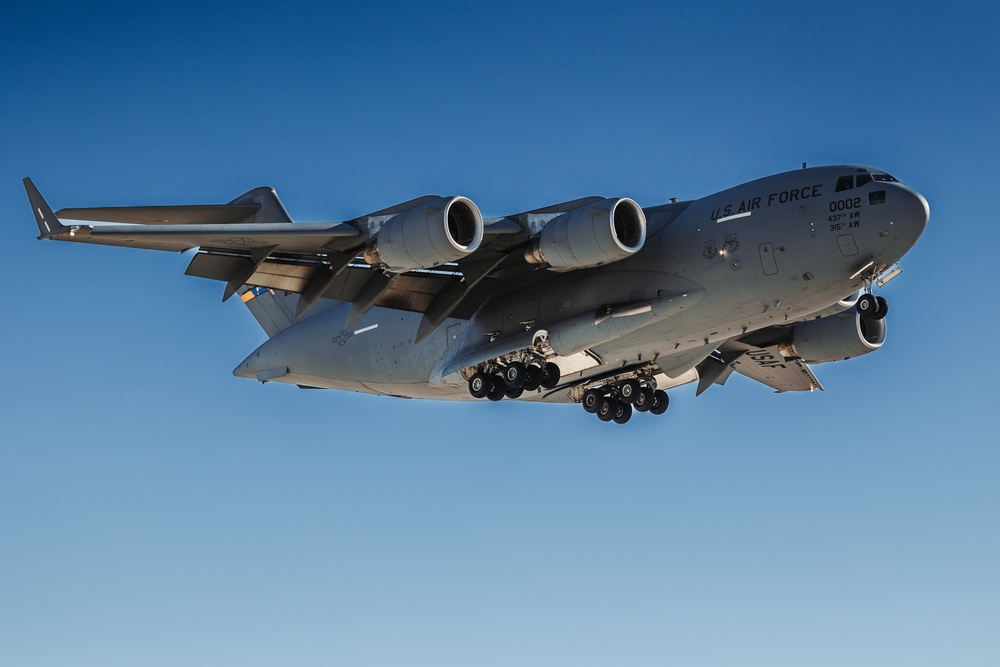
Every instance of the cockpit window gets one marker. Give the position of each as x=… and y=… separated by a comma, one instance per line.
x=884, y=178
x=864, y=179
x=844, y=183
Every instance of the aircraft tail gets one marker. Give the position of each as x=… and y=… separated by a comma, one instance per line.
x=274, y=311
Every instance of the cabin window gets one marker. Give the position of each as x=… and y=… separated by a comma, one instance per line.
x=877, y=197
x=884, y=178
x=844, y=183
x=864, y=179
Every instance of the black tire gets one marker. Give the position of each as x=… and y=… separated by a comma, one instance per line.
x=592, y=400
x=532, y=378
x=498, y=388
x=660, y=402
x=606, y=412
x=628, y=390
x=550, y=376
x=623, y=414
x=883, y=308
x=514, y=374
x=514, y=392
x=643, y=400
x=867, y=305
x=479, y=385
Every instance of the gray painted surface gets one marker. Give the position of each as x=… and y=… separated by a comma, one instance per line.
x=717, y=281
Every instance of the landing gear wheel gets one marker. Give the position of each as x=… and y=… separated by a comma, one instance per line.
x=867, y=305
x=479, y=385
x=498, y=388
x=532, y=378
x=513, y=375
x=660, y=402
x=643, y=399
x=592, y=400
x=550, y=375
x=608, y=409
x=883, y=308
x=623, y=413
x=514, y=392
x=629, y=390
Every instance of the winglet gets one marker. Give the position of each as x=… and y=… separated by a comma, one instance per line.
x=48, y=223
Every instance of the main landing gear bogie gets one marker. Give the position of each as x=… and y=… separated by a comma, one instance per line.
x=619, y=401
x=495, y=382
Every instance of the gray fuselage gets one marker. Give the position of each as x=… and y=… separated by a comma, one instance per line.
x=768, y=252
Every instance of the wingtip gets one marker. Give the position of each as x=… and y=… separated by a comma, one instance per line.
x=48, y=223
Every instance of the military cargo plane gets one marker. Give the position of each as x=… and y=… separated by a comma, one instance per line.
x=595, y=301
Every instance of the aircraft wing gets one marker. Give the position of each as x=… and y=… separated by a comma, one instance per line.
x=763, y=363
x=252, y=241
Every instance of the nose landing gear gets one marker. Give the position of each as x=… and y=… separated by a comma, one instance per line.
x=871, y=306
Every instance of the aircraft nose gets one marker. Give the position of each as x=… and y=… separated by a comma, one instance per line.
x=913, y=214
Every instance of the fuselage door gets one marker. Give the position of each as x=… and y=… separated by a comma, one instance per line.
x=767, y=260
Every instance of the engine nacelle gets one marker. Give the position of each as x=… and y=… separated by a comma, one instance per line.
x=835, y=337
x=442, y=231
x=606, y=231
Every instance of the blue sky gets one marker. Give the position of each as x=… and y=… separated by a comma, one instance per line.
x=156, y=510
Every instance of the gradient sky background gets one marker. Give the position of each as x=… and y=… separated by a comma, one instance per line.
x=156, y=510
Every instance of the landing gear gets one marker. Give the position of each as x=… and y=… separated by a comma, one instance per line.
x=498, y=388
x=515, y=374
x=498, y=379
x=618, y=401
x=592, y=399
x=629, y=390
x=866, y=305
x=479, y=385
x=883, y=308
x=514, y=392
x=532, y=377
x=623, y=413
x=608, y=409
x=550, y=375
x=660, y=402
x=643, y=399
x=871, y=306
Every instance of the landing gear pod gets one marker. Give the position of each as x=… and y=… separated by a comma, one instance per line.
x=604, y=232
x=444, y=230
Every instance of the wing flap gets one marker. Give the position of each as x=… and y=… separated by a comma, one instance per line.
x=414, y=292
x=767, y=366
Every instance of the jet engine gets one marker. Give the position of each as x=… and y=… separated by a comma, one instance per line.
x=444, y=230
x=834, y=338
x=603, y=232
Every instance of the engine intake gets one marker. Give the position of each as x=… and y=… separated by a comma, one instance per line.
x=442, y=231
x=835, y=337
x=606, y=231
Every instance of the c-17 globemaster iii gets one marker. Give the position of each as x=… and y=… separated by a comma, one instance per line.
x=595, y=301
